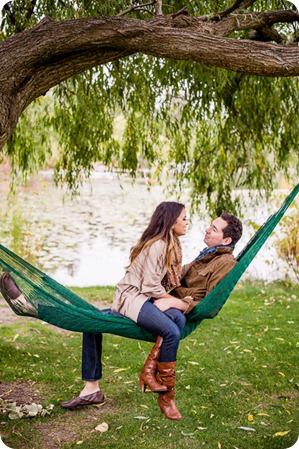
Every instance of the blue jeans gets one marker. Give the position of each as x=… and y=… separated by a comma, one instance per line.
x=168, y=324
x=92, y=353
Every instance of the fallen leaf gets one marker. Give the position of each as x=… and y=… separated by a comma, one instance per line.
x=250, y=417
x=281, y=434
x=187, y=434
x=141, y=417
x=103, y=427
x=193, y=363
x=118, y=370
x=249, y=429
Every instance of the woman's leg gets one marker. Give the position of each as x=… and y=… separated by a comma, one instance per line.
x=179, y=319
x=159, y=323
x=148, y=373
x=169, y=328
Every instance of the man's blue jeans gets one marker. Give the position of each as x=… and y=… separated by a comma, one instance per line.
x=168, y=324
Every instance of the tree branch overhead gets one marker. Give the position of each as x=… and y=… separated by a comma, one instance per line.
x=35, y=60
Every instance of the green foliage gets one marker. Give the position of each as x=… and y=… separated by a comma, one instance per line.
x=288, y=241
x=237, y=382
x=205, y=129
x=16, y=227
x=30, y=148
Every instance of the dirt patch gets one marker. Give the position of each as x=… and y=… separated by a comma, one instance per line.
x=7, y=316
x=20, y=392
x=73, y=426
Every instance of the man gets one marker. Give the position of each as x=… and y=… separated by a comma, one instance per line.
x=213, y=263
x=198, y=279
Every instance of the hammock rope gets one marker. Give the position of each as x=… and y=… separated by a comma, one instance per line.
x=61, y=307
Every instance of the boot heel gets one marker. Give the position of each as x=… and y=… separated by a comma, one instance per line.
x=142, y=387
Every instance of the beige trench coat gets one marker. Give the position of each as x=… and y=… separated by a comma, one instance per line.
x=141, y=281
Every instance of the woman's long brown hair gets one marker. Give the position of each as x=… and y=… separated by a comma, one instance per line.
x=164, y=217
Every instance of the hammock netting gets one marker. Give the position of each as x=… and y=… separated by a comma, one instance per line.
x=61, y=307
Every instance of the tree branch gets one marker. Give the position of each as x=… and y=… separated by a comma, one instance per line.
x=244, y=4
x=229, y=10
x=135, y=8
x=41, y=57
x=159, y=8
x=247, y=3
x=254, y=21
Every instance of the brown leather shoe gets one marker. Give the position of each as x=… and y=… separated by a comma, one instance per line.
x=94, y=398
x=14, y=297
x=9, y=286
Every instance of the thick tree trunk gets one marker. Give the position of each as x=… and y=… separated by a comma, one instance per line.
x=37, y=59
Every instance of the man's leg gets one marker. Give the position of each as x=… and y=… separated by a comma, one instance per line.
x=91, y=362
x=91, y=372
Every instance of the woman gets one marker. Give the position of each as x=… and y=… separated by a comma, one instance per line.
x=154, y=269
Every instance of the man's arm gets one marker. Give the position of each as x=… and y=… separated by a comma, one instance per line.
x=203, y=282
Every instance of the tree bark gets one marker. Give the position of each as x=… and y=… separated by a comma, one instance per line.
x=37, y=59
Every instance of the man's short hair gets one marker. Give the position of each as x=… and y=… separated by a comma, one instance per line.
x=234, y=227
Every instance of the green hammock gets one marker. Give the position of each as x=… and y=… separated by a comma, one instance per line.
x=59, y=306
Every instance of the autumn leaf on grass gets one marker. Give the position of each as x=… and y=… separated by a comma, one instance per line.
x=187, y=434
x=103, y=427
x=118, y=370
x=250, y=417
x=281, y=434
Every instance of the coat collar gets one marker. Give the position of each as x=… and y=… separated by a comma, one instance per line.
x=216, y=251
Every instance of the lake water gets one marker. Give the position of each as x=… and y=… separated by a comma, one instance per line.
x=86, y=240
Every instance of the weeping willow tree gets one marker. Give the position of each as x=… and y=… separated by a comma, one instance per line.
x=206, y=92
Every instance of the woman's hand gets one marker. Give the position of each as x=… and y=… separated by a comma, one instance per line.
x=163, y=304
x=170, y=302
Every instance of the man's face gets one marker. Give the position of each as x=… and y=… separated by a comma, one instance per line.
x=214, y=234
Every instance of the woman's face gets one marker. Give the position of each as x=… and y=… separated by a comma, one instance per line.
x=180, y=226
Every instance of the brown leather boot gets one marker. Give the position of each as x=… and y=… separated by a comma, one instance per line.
x=166, y=400
x=148, y=373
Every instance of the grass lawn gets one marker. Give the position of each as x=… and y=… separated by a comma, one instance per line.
x=237, y=381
